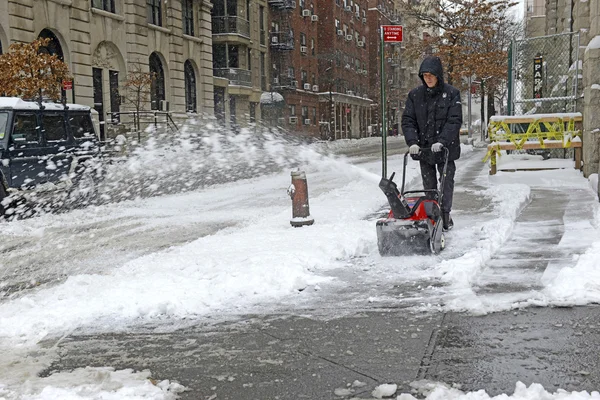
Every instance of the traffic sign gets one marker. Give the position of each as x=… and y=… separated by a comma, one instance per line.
x=67, y=85
x=392, y=33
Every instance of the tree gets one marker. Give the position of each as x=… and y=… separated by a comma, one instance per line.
x=137, y=90
x=27, y=72
x=472, y=37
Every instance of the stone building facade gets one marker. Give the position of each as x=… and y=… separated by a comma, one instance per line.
x=103, y=40
x=583, y=17
x=240, y=58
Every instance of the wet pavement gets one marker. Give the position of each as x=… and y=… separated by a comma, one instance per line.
x=308, y=354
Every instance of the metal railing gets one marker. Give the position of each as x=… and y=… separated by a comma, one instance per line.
x=236, y=76
x=282, y=41
x=231, y=25
x=141, y=119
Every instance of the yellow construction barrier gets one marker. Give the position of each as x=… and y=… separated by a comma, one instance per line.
x=535, y=131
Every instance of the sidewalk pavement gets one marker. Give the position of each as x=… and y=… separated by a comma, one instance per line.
x=285, y=357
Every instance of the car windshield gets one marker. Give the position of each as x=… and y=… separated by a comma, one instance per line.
x=3, y=123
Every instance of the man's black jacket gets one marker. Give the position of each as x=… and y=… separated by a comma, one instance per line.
x=433, y=114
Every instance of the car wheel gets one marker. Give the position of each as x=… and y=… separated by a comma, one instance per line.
x=3, y=195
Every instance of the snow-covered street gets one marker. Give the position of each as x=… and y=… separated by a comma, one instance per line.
x=217, y=253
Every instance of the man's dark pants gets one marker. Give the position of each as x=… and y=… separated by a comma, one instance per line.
x=429, y=176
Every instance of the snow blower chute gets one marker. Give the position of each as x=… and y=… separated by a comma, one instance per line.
x=414, y=223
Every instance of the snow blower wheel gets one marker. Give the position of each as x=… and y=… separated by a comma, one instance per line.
x=414, y=223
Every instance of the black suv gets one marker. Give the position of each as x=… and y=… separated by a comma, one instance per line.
x=43, y=144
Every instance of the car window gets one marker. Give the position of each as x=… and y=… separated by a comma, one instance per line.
x=3, y=123
x=81, y=126
x=54, y=127
x=25, y=129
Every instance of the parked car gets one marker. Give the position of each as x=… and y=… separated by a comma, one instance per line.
x=44, y=145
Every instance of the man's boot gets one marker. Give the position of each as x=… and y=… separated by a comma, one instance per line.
x=447, y=221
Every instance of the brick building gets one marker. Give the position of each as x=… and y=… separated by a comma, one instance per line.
x=294, y=64
x=383, y=12
x=102, y=40
x=343, y=59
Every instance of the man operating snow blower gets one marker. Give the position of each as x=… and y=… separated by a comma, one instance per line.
x=432, y=119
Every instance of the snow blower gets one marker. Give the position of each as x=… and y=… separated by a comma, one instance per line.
x=414, y=222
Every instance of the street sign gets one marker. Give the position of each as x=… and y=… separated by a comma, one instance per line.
x=67, y=85
x=392, y=33
x=538, y=78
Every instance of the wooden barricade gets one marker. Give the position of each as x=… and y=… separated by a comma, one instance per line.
x=534, y=132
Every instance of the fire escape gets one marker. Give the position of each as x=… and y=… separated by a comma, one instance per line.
x=282, y=45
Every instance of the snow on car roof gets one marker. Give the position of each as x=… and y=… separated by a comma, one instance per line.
x=15, y=103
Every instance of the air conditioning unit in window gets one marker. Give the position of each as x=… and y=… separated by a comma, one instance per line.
x=315, y=88
x=350, y=92
x=307, y=121
x=389, y=60
x=276, y=81
x=347, y=66
x=357, y=14
x=293, y=120
x=364, y=20
x=307, y=86
x=348, y=37
x=294, y=84
x=163, y=105
x=348, y=8
x=340, y=32
x=360, y=43
x=306, y=13
x=274, y=40
x=314, y=18
x=303, y=49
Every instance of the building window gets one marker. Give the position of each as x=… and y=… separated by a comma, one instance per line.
x=188, y=17
x=261, y=22
x=302, y=4
x=157, y=89
x=154, y=12
x=312, y=46
x=292, y=110
x=190, y=87
x=304, y=114
x=106, y=5
x=304, y=77
x=302, y=39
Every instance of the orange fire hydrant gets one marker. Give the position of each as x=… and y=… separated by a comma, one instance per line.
x=298, y=191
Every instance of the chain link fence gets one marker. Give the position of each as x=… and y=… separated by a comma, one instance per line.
x=545, y=74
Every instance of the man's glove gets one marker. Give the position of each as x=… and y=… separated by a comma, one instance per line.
x=414, y=149
x=437, y=147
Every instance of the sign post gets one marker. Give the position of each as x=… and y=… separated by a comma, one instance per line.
x=389, y=34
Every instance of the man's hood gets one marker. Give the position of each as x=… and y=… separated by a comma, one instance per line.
x=433, y=65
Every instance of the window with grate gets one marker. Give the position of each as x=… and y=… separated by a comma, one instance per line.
x=190, y=87
x=188, y=17
x=157, y=88
x=154, y=8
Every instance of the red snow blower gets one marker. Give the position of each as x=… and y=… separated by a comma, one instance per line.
x=414, y=224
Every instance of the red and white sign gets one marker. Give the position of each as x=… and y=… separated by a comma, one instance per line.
x=67, y=85
x=392, y=33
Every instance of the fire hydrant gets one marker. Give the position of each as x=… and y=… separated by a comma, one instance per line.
x=298, y=191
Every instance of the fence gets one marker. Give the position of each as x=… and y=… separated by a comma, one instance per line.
x=544, y=74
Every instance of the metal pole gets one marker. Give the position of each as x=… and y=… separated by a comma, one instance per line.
x=383, y=123
x=510, y=78
x=469, y=110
